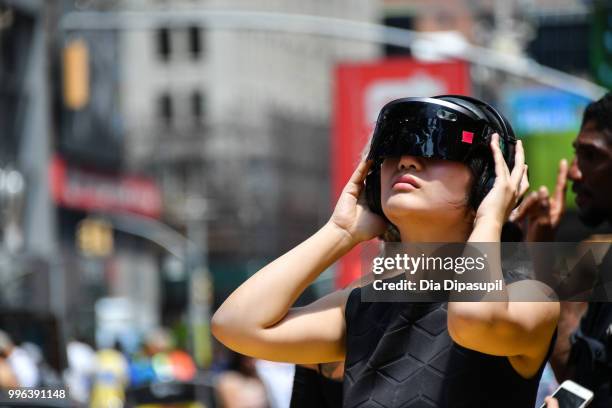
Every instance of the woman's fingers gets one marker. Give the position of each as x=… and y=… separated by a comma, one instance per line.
x=361, y=172
x=501, y=169
x=524, y=183
x=519, y=165
x=355, y=183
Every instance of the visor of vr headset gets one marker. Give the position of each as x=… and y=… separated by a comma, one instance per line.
x=434, y=128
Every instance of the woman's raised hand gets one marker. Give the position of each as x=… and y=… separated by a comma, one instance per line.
x=352, y=214
x=508, y=187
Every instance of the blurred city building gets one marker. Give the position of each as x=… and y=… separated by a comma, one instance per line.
x=27, y=224
x=61, y=163
x=91, y=183
x=554, y=33
x=240, y=118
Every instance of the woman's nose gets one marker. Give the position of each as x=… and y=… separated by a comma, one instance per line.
x=407, y=161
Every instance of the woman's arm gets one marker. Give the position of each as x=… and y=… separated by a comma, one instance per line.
x=256, y=319
x=504, y=327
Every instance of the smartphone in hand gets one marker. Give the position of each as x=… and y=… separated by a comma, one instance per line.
x=571, y=395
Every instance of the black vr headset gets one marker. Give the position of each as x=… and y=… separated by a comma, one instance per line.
x=451, y=127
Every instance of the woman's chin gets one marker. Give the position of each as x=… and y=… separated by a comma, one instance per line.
x=397, y=211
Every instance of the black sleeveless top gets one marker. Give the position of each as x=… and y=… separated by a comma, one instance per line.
x=400, y=355
x=588, y=359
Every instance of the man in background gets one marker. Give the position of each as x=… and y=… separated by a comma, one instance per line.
x=585, y=329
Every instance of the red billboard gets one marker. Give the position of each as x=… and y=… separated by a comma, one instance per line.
x=361, y=90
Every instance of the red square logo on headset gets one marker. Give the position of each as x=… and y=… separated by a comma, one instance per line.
x=467, y=137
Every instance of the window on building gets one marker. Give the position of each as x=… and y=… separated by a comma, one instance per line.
x=165, y=109
x=195, y=41
x=164, y=48
x=405, y=22
x=197, y=106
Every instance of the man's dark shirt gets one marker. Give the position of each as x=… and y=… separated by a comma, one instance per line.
x=590, y=368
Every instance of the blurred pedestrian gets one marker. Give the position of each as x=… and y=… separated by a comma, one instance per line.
x=158, y=340
x=22, y=365
x=240, y=386
x=110, y=379
x=7, y=376
x=48, y=376
x=278, y=379
x=81, y=368
x=584, y=330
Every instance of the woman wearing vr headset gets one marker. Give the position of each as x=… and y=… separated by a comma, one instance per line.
x=442, y=169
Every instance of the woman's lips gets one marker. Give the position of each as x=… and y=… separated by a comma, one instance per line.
x=405, y=182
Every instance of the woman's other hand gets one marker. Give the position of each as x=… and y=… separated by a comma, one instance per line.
x=508, y=186
x=352, y=214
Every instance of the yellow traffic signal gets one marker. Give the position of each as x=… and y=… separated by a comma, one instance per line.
x=76, y=74
x=94, y=237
